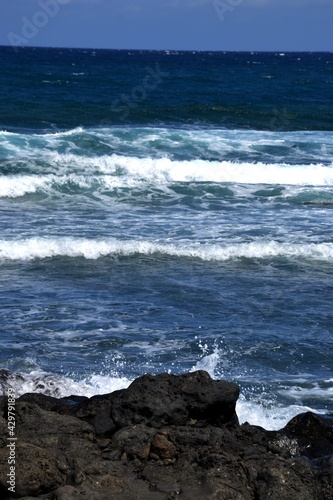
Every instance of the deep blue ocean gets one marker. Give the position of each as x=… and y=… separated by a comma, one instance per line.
x=167, y=212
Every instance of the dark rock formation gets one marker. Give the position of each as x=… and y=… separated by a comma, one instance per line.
x=165, y=437
x=175, y=400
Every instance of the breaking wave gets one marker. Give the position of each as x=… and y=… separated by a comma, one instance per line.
x=42, y=248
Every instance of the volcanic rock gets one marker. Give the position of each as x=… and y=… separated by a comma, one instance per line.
x=165, y=437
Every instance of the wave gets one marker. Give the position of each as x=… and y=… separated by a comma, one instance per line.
x=38, y=381
x=42, y=248
x=102, y=145
x=192, y=132
x=165, y=170
x=109, y=172
x=17, y=186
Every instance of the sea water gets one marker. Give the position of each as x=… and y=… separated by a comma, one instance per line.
x=168, y=212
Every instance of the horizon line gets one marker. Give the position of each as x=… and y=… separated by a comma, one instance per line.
x=17, y=47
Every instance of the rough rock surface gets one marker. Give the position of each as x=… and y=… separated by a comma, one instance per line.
x=165, y=437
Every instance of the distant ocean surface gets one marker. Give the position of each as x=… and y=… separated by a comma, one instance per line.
x=167, y=212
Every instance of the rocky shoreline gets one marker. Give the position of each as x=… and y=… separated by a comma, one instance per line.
x=162, y=438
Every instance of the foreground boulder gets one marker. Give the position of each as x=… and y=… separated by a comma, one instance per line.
x=164, y=437
x=162, y=400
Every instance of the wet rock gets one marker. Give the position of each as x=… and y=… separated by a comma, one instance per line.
x=279, y=479
x=314, y=434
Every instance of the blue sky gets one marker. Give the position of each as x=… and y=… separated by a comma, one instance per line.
x=169, y=24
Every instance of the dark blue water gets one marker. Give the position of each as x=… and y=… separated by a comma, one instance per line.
x=165, y=211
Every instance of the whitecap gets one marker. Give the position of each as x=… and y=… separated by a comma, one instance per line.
x=40, y=248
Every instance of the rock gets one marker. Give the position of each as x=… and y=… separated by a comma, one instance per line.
x=49, y=448
x=134, y=441
x=314, y=434
x=98, y=413
x=285, y=479
x=46, y=428
x=67, y=493
x=176, y=400
x=324, y=466
x=165, y=437
x=36, y=470
x=64, y=406
x=95, y=410
x=162, y=448
x=165, y=483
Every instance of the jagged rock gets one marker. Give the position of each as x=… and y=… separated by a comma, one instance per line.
x=176, y=400
x=165, y=437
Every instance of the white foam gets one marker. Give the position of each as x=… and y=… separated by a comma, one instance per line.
x=165, y=170
x=15, y=186
x=270, y=417
x=41, y=248
x=199, y=139
x=64, y=133
x=213, y=363
x=208, y=363
x=41, y=382
x=314, y=392
x=254, y=409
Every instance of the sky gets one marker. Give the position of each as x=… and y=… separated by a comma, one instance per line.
x=246, y=25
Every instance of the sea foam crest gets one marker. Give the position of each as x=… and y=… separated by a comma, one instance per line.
x=117, y=171
x=15, y=186
x=166, y=170
x=270, y=418
x=38, y=381
x=41, y=248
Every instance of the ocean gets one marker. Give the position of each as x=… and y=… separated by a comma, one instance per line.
x=168, y=212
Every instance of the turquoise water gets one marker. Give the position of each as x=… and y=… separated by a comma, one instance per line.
x=165, y=211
